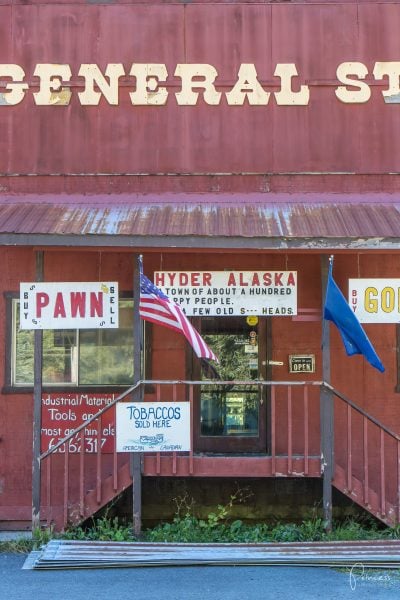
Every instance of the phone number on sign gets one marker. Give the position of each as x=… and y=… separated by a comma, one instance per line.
x=91, y=444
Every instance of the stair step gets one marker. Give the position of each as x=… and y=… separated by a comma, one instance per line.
x=91, y=505
x=373, y=505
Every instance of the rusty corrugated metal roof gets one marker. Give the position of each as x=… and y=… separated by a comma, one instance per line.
x=213, y=220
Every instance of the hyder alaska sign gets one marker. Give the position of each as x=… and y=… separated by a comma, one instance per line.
x=222, y=293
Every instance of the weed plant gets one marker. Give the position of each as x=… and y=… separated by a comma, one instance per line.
x=103, y=529
x=217, y=527
x=39, y=538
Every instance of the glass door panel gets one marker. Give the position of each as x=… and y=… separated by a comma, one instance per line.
x=232, y=417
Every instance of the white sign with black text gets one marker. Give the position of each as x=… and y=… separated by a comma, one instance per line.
x=153, y=427
x=231, y=293
x=69, y=305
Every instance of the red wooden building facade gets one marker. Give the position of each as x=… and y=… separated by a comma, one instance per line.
x=206, y=137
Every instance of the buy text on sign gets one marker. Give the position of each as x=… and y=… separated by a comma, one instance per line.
x=375, y=300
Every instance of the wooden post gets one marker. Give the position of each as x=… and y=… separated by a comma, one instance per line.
x=137, y=457
x=326, y=409
x=37, y=409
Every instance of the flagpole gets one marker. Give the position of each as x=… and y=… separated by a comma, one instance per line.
x=326, y=406
x=137, y=396
x=37, y=409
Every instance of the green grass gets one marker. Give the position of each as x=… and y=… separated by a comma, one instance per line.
x=216, y=527
x=23, y=546
x=191, y=529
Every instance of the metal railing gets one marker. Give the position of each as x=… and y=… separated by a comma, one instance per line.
x=77, y=471
x=77, y=480
x=367, y=459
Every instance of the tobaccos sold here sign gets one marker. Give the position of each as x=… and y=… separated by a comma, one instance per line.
x=220, y=293
x=79, y=305
x=153, y=427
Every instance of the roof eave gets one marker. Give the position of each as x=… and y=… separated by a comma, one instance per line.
x=200, y=242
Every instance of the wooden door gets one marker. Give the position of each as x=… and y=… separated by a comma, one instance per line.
x=232, y=418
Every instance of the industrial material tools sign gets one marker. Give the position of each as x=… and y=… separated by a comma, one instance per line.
x=80, y=305
x=221, y=293
x=375, y=300
x=153, y=427
x=63, y=412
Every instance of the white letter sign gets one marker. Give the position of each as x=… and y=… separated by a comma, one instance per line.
x=153, y=427
x=375, y=300
x=231, y=293
x=79, y=305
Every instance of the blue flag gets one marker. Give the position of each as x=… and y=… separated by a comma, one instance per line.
x=354, y=338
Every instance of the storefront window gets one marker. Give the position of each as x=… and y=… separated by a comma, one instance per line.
x=76, y=357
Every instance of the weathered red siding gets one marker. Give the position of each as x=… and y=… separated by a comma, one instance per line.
x=326, y=136
x=353, y=376
x=325, y=146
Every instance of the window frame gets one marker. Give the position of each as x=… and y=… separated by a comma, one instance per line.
x=10, y=387
x=236, y=444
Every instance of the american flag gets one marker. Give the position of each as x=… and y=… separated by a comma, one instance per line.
x=156, y=307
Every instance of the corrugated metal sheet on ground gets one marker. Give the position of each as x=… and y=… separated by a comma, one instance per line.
x=63, y=554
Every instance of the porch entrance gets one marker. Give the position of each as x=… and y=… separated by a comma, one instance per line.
x=232, y=418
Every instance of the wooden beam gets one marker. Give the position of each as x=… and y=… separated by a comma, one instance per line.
x=37, y=409
x=137, y=457
x=326, y=409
